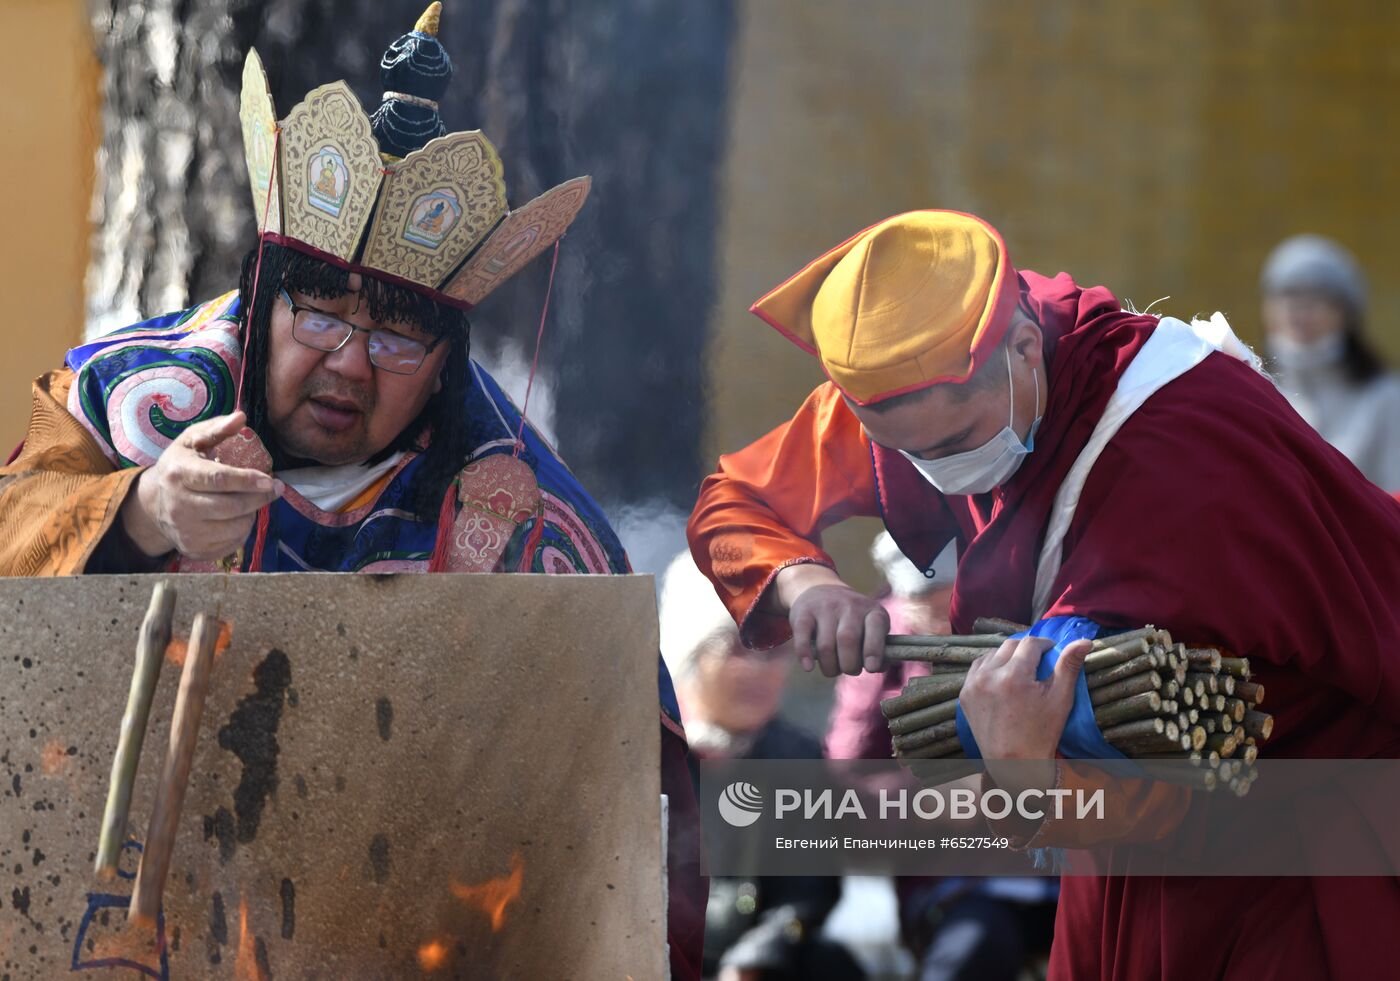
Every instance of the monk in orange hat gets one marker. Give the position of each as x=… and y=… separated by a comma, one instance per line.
x=1094, y=466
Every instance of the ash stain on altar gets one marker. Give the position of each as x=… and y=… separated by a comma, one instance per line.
x=222, y=827
x=289, y=909
x=379, y=859
x=251, y=735
x=218, y=929
x=384, y=717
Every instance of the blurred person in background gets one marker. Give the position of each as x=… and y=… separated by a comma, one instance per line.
x=959, y=928
x=762, y=928
x=1314, y=313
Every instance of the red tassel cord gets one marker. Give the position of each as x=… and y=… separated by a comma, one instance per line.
x=535, y=363
x=447, y=519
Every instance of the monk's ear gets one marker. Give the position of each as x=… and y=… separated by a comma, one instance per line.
x=1026, y=340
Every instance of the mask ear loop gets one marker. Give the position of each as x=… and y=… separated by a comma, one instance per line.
x=1011, y=421
x=1011, y=416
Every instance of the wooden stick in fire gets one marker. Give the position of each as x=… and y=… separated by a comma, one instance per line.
x=175, y=778
x=145, y=674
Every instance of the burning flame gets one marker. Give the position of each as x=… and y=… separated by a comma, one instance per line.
x=246, y=966
x=179, y=647
x=494, y=895
x=432, y=955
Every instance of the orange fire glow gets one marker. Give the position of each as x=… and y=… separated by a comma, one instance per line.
x=246, y=966
x=494, y=895
x=54, y=758
x=176, y=651
x=179, y=647
x=131, y=941
x=432, y=955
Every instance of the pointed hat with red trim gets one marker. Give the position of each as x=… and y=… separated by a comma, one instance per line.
x=916, y=300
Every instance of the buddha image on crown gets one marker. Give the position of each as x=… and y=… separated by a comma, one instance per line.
x=432, y=217
x=328, y=187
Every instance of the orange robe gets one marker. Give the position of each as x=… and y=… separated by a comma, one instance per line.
x=60, y=495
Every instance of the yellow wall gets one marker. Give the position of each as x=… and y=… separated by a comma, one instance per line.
x=48, y=116
x=1160, y=149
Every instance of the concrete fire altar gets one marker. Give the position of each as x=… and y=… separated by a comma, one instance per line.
x=394, y=776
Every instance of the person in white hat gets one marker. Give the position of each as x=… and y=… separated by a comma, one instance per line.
x=1314, y=315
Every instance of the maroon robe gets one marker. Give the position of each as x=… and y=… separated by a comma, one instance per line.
x=1217, y=512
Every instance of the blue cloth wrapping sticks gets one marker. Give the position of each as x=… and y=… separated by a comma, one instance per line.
x=1081, y=739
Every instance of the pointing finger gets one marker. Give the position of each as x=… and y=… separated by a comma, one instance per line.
x=211, y=432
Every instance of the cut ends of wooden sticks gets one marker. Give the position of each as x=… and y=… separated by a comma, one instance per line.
x=1152, y=697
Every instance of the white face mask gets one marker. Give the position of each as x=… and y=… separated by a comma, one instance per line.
x=991, y=464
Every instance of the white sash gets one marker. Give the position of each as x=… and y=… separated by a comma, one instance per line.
x=1174, y=348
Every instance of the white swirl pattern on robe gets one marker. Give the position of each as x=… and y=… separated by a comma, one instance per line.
x=150, y=389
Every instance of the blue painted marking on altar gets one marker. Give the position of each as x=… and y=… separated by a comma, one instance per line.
x=96, y=903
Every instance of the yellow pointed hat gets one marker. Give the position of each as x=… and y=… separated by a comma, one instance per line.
x=916, y=300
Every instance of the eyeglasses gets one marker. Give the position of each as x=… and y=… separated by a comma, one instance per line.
x=388, y=349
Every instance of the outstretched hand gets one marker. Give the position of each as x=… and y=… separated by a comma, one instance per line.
x=192, y=504
x=833, y=625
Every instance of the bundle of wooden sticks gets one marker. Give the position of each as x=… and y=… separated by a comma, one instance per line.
x=1153, y=699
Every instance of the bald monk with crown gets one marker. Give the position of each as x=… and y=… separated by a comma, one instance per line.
x=1093, y=465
